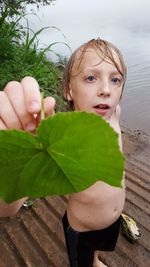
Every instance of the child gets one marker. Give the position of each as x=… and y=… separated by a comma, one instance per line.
x=93, y=82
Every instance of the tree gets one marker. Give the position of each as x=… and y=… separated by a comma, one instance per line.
x=14, y=7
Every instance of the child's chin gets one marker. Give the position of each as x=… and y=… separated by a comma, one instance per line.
x=107, y=116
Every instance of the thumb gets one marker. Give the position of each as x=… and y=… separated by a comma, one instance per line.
x=116, y=113
x=49, y=106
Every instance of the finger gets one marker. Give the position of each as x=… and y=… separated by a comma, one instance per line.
x=2, y=125
x=15, y=94
x=117, y=112
x=49, y=106
x=31, y=94
x=7, y=113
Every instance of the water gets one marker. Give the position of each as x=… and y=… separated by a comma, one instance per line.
x=136, y=98
x=126, y=24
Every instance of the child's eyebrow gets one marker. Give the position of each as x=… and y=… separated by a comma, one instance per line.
x=98, y=72
x=116, y=73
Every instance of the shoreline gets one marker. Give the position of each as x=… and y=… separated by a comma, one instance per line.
x=136, y=145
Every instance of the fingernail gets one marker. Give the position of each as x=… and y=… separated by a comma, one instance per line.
x=30, y=127
x=34, y=106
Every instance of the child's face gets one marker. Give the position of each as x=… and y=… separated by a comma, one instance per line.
x=97, y=87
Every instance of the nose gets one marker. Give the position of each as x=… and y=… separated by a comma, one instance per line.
x=104, y=89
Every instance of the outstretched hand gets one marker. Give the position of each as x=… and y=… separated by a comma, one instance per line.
x=20, y=105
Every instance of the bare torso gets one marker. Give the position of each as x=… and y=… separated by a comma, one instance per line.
x=98, y=206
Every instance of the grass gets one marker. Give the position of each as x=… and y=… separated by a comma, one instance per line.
x=20, y=57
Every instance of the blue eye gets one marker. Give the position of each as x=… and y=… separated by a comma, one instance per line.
x=116, y=80
x=90, y=78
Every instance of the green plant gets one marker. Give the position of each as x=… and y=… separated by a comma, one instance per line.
x=20, y=57
x=19, y=6
x=69, y=152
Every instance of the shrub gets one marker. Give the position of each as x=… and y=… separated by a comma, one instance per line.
x=20, y=57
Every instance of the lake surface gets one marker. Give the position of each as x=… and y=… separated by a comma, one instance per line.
x=136, y=98
x=126, y=24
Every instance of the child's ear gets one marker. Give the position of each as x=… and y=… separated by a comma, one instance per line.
x=69, y=93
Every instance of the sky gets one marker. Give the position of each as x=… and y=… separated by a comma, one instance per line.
x=79, y=21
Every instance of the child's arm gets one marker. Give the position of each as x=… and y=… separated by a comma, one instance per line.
x=12, y=208
x=19, y=102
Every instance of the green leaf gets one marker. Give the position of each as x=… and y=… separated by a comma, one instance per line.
x=16, y=149
x=69, y=152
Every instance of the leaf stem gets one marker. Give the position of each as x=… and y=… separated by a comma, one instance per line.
x=42, y=106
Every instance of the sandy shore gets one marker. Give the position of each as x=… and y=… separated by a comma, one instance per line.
x=136, y=145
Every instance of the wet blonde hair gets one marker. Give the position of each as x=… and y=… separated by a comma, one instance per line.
x=104, y=50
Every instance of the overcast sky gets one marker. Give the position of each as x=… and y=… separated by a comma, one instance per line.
x=81, y=20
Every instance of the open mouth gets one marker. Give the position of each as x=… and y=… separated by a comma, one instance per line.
x=101, y=109
x=102, y=106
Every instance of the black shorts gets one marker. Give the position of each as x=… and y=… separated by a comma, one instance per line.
x=81, y=245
